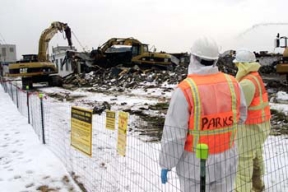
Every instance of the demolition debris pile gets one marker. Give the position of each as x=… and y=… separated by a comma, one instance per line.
x=134, y=77
x=123, y=77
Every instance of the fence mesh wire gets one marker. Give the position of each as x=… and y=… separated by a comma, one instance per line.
x=139, y=169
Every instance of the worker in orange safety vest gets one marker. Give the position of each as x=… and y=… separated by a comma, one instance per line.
x=205, y=108
x=254, y=132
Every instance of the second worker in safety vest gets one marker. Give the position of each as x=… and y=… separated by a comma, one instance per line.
x=254, y=132
x=205, y=108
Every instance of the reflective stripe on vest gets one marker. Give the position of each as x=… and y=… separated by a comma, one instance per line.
x=196, y=132
x=197, y=111
x=259, y=110
x=234, y=108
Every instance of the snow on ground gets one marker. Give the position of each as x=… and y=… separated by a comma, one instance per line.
x=281, y=97
x=275, y=150
x=25, y=163
x=133, y=99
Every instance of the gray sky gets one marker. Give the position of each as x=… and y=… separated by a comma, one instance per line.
x=171, y=26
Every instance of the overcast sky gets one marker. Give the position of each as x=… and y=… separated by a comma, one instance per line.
x=170, y=25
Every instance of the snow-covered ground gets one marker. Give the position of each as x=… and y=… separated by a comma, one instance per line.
x=25, y=163
x=16, y=129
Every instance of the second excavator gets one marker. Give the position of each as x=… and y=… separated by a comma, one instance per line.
x=125, y=51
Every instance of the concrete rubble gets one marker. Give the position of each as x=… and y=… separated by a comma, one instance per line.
x=125, y=77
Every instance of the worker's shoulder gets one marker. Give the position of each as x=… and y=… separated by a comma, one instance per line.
x=246, y=83
x=183, y=83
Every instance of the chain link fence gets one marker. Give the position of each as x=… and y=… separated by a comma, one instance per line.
x=139, y=170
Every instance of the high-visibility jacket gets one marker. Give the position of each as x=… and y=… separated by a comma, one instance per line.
x=259, y=110
x=214, y=104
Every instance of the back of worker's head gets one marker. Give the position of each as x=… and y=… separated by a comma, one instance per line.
x=244, y=56
x=204, y=55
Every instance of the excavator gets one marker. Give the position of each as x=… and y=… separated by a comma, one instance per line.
x=125, y=51
x=35, y=68
x=282, y=65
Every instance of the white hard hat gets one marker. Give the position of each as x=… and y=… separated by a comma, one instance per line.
x=244, y=56
x=205, y=48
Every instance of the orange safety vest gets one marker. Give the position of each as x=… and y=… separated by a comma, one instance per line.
x=259, y=110
x=214, y=103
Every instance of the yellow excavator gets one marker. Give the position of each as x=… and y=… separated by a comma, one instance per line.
x=282, y=64
x=125, y=51
x=132, y=52
x=35, y=68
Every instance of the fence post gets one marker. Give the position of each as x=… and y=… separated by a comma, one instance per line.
x=2, y=81
x=17, y=102
x=202, y=154
x=11, y=95
x=12, y=92
x=42, y=118
x=27, y=91
x=5, y=86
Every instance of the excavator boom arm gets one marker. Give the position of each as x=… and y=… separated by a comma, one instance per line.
x=48, y=34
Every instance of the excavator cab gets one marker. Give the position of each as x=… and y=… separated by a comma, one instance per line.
x=30, y=58
x=138, y=49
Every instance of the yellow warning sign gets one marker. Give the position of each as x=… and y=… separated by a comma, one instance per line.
x=110, y=120
x=122, y=133
x=81, y=129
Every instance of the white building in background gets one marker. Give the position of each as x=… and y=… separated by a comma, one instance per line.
x=58, y=56
x=7, y=55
